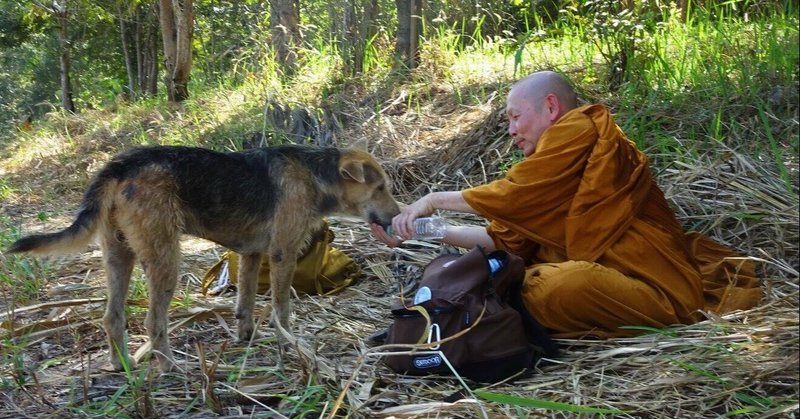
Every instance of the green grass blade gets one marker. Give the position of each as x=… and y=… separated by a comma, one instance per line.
x=652, y=330
x=542, y=404
x=777, y=155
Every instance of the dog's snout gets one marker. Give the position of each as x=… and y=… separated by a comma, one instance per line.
x=376, y=218
x=383, y=215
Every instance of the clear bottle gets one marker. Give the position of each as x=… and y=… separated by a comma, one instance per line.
x=427, y=228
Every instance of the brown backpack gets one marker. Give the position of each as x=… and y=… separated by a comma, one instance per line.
x=464, y=296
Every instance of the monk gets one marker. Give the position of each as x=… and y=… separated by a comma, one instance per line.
x=605, y=252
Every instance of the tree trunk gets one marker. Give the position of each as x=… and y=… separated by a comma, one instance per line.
x=407, y=39
x=126, y=53
x=353, y=63
x=358, y=29
x=60, y=11
x=176, y=18
x=151, y=63
x=139, y=45
x=284, y=23
x=138, y=29
x=149, y=51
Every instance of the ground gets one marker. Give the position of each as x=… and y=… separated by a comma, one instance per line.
x=743, y=363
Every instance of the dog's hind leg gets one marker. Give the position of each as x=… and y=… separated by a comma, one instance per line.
x=150, y=215
x=160, y=264
x=118, y=259
x=246, y=296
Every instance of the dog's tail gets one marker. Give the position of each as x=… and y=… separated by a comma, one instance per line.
x=73, y=238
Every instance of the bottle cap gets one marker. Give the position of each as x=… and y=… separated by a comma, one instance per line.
x=494, y=265
x=423, y=294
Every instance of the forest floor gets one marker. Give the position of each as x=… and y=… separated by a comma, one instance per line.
x=738, y=364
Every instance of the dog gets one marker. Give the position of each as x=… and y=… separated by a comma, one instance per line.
x=264, y=202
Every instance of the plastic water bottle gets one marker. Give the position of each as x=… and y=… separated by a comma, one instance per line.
x=427, y=228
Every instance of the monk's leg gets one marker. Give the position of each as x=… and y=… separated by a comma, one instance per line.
x=583, y=299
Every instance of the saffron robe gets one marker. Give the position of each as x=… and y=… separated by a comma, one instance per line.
x=604, y=248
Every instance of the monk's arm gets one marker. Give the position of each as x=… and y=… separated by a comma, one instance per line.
x=468, y=236
x=450, y=201
x=403, y=223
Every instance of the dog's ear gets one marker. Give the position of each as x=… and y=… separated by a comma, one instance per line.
x=353, y=169
x=360, y=144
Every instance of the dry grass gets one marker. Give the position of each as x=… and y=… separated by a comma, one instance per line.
x=740, y=364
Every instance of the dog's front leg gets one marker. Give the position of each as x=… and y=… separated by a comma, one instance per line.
x=246, y=298
x=282, y=267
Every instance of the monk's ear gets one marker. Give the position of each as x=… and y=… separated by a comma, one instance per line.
x=552, y=105
x=353, y=170
x=360, y=144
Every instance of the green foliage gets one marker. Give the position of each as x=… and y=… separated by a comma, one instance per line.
x=753, y=403
x=227, y=34
x=132, y=399
x=543, y=404
x=15, y=372
x=21, y=278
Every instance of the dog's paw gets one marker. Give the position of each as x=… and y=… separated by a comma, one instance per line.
x=116, y=364
x=164, y=364
x=246, y=334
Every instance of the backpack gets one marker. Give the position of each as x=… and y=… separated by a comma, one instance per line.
x=475, y=300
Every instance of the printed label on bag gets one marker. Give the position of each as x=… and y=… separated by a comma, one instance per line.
x=430, y=361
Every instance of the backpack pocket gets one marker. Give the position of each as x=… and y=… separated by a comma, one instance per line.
x=410, y=326
x=496, y=354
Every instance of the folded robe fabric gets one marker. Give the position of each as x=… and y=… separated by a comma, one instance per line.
x=321, y=269
x=587, y=195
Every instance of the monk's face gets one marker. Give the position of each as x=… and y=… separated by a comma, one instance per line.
x=526, y=120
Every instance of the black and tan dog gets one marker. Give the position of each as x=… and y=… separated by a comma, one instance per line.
x=262, y=202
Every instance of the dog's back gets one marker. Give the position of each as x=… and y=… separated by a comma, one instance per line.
x=228, y=198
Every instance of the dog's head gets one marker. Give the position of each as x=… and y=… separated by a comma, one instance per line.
x=367, y=191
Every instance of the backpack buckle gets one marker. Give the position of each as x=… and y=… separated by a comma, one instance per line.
x=434, y=335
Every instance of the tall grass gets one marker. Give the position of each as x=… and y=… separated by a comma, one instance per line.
x=21, y=279
x=708, y=79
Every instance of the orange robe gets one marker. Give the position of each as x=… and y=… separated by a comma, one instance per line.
x=604, y=248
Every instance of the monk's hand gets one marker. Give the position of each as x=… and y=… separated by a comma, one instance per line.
x=403, y=223
x=382, y=235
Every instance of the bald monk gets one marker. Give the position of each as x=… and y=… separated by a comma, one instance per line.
x=604, y=250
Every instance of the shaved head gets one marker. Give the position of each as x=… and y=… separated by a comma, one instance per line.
x=537, y=86
x=534, y=104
